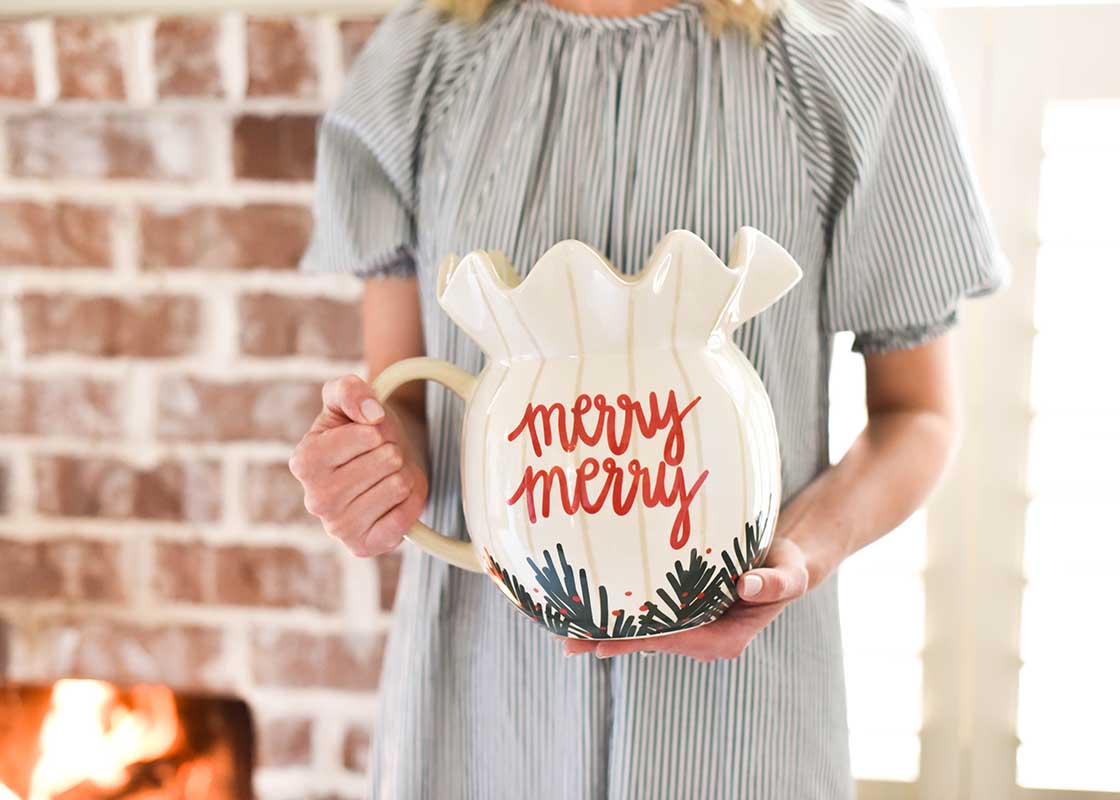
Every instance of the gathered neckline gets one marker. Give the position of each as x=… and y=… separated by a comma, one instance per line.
x=646, y=18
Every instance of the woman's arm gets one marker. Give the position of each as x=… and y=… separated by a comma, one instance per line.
x=912, y=425
x=392, y=331
x=886, y=474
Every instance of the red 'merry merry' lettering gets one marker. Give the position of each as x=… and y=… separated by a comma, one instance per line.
x=588, y=421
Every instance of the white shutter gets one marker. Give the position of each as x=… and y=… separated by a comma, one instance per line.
x=1069, y=694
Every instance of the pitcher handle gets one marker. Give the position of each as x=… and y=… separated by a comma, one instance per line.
x=453, y=551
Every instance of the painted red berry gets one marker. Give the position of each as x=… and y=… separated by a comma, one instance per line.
x=701, y=595
x=684, y=594
x=617, y=611
x=575, y=597
x=536, y=589
x=708, y=550
x=629, y=593
x=643, y=607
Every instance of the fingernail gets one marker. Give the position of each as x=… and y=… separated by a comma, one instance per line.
x=750, y=586
x=371, y=410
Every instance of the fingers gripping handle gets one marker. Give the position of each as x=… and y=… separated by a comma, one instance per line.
x=453, y=551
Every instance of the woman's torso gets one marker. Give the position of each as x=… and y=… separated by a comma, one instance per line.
x=614, y=132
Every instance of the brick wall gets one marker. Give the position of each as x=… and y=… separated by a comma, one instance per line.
x=160, y=356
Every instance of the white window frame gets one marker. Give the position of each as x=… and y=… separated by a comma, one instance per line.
x=1008, y=63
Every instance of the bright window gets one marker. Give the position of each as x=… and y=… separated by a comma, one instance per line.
x=882, y=610
x=1069, y=696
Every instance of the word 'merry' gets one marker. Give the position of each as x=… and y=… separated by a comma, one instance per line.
x=587, y=422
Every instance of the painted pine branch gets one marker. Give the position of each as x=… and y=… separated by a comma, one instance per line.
x=544, y=614
x=697, y=592
x=571, y=598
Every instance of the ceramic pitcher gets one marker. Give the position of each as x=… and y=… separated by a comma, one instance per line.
x=620, y=465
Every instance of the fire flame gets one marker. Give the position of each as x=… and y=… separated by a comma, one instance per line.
x=94, y=732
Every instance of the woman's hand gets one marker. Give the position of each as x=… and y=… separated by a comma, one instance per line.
x=887, y=473
x=763, y=593
x=359, y=475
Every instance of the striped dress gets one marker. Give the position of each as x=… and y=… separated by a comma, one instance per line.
x=837, y=136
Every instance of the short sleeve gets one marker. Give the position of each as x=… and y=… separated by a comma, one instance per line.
x=362, y=224
x=368, y=144
x=910, y=238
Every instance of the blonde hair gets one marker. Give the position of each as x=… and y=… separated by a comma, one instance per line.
x=752, y=16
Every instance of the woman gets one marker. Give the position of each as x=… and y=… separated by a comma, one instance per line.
x=828, y=126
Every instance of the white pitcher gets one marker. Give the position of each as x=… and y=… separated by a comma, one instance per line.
x=620, y=465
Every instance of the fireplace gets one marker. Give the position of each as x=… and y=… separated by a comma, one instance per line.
x=82, y=739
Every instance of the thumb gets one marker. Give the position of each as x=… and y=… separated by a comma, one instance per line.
x=785, y=576
x=348, y=399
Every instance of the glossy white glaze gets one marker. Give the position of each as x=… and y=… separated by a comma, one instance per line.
x=702, y=460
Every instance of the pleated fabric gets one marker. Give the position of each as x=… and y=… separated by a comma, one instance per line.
x=839, y=137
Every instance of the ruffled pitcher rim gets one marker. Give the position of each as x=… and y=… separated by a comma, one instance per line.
x=482, y=286
x=509, y=281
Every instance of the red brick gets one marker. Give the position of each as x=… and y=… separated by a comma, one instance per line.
x=388, y=576
x=280, y=325
x=178, y=572
x=61, y=407
x=199, y=410
x=5, y=483
x=242, y=575
x=32, y=570
x=96, y=572
x=280, y=577
x=353, y=34
x=185, y=656
x=55, y=235
x=151, y=326
x=300, y=659
x=70, y=569
x=283, y=742
x=5, y=645
x=70, y=486
x=355, y=748
x=281, y=58
x=185, y=52
x=88, y=59
x=277, y=148
x=260, y=236
x=117, y=144
x=17, y=66
x=273, y=495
